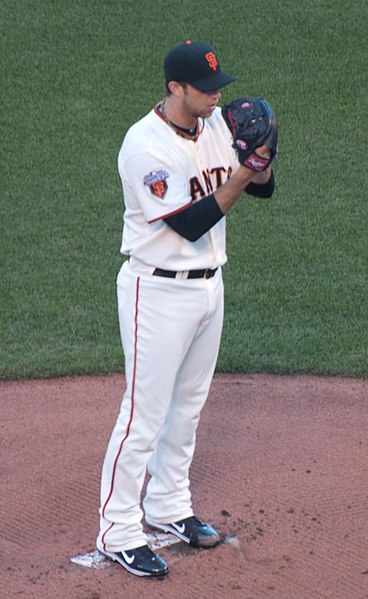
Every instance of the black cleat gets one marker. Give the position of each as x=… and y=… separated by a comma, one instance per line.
x=141, y=561
x=191, y=530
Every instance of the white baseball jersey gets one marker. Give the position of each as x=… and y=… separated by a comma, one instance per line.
x=162, y=173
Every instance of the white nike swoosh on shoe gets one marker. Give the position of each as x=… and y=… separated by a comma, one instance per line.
x=179, y=527
x=128, y=559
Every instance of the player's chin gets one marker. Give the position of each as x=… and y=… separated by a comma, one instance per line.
x=209, y=111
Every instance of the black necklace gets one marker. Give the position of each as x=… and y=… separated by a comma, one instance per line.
x=192, y=133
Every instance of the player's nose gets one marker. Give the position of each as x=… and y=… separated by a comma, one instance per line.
x=214, y=94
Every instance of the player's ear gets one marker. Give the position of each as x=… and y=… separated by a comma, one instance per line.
x=175, y=88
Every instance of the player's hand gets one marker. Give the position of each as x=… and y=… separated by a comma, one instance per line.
x=264, y=151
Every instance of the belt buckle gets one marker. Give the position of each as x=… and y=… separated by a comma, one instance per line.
x=207, y=273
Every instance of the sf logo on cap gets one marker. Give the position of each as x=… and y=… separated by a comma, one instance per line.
x=212, y=60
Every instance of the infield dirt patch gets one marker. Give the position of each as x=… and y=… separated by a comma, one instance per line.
x=281, y=469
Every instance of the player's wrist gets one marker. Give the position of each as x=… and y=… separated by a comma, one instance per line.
x=245, y=173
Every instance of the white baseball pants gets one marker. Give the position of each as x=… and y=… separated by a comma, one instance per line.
x=170, y=331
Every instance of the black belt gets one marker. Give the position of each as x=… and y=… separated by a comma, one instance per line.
x=205, y=273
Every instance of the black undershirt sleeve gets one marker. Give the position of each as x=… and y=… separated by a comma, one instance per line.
x=197, y=219
x=262, y=190
x=192, y=222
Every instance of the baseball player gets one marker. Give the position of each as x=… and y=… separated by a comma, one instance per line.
x=180, y=175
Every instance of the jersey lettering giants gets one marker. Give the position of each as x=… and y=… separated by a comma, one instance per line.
x=213, y=179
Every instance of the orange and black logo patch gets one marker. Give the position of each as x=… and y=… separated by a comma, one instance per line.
x=157, y=183
x=159, y=189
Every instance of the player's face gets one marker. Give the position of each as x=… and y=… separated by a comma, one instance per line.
x=200, y=104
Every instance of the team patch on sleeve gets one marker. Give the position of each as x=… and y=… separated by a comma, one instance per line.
x=157, y=182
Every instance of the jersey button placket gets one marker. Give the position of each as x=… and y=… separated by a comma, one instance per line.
x=201, y=169
x=198, y=159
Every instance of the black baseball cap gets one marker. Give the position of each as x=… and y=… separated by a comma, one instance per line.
x=197, y=64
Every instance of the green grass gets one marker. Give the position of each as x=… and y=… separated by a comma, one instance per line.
x=74, y=76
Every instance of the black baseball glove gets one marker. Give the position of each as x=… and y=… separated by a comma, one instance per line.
x=252, y=123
